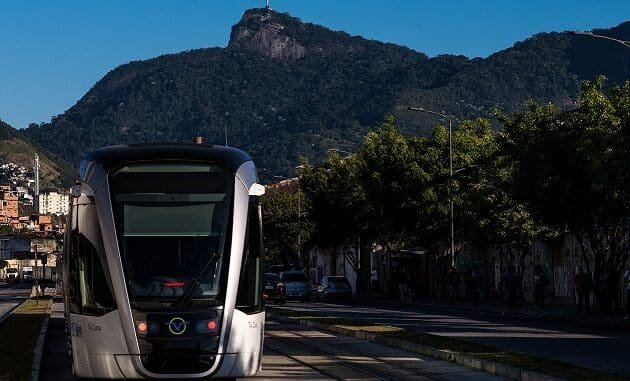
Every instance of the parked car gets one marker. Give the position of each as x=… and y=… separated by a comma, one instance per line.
x=334, y=288
x=275, y=290
x=27, y=273
x=13, y=275
x=296, y=284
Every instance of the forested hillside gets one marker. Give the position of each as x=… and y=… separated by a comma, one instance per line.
x=14, y=148
x=284, y=89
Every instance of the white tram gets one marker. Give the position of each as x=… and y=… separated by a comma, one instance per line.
x=162, y=263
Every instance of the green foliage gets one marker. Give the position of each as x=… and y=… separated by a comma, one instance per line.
x=286, y=226
x=397, y=191
x=336, y=199
x=3, y=264
x=572, y=168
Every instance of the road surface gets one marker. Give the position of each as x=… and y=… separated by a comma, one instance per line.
x=11, y=296
x=293, y=352
x=596, y=348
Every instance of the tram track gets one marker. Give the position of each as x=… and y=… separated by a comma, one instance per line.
x=337, y=361
x=301, y=362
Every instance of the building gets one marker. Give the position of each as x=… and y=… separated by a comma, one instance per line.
x=40, y=223
x=9, y=206
x=53, y=203
x=42, y=268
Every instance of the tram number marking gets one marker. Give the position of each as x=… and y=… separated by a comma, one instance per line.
x=94, y=327
x=253, y=324
x=77, y=330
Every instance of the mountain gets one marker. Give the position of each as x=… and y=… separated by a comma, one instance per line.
x=283, y=89
x=55, y=173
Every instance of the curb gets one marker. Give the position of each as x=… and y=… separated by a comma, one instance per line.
x=39, y=349
x=451, y=356
x=8, y=313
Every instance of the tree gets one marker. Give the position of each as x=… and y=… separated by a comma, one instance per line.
x=337, y=206
x=573, y=169
x=392, y=179
x=284, y=221
x=3, y=264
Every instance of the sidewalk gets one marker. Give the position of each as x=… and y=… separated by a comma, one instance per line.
x=552, y=313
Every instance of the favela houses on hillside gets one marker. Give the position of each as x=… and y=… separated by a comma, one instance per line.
x=32, y=224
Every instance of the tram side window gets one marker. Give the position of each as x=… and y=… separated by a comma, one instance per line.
x=249, y=298
x=90, y=292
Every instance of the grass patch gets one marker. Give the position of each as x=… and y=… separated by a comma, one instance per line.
x=18, y=336
x=517, y=359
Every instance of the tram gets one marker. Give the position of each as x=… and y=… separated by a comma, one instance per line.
x=162, y=263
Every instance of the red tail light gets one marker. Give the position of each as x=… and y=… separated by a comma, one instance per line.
x=174, y=284
x=142, y=327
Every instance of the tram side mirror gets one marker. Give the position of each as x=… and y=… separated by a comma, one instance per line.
x=79, y=189
x=257, y=190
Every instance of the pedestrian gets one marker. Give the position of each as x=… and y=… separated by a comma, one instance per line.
x=403, y=284
x=540, y=282
x=452, y=280
x=511, y=284
x=626, y=278
x=468, y=283
x=613, y=286
x=603, y=293
x=477, y=284
x=374, y=278
x=582, y=283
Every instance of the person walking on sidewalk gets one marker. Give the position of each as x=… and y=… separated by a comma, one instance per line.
x=374, y=277
x=614, y=281
x=626, y=278
x=511, y=287
x=582, y=283
x=540, y=282
x=452, y=280
x=403, y=284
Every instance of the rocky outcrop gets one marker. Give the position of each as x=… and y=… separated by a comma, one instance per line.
x=278, y=35
x=270, y=40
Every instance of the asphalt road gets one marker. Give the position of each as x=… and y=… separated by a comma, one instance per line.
x=293, y=352
x=11, y=296
x=596, y=348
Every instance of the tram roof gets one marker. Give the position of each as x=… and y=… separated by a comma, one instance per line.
x=113, y=157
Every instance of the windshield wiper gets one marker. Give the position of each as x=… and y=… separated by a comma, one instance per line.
x=196, y=282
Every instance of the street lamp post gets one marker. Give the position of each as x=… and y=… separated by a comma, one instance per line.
x=450, y=156
x=35, y=276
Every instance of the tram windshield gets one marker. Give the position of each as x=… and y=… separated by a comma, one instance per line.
x=171, y=221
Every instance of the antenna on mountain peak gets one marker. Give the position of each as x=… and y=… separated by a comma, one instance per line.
x=267, y=6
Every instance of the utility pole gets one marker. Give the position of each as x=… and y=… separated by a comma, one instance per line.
x=35, y=277
x=36, y=196
x=299, y=241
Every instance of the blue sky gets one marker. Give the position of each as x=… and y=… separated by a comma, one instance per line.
x=52, y=52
